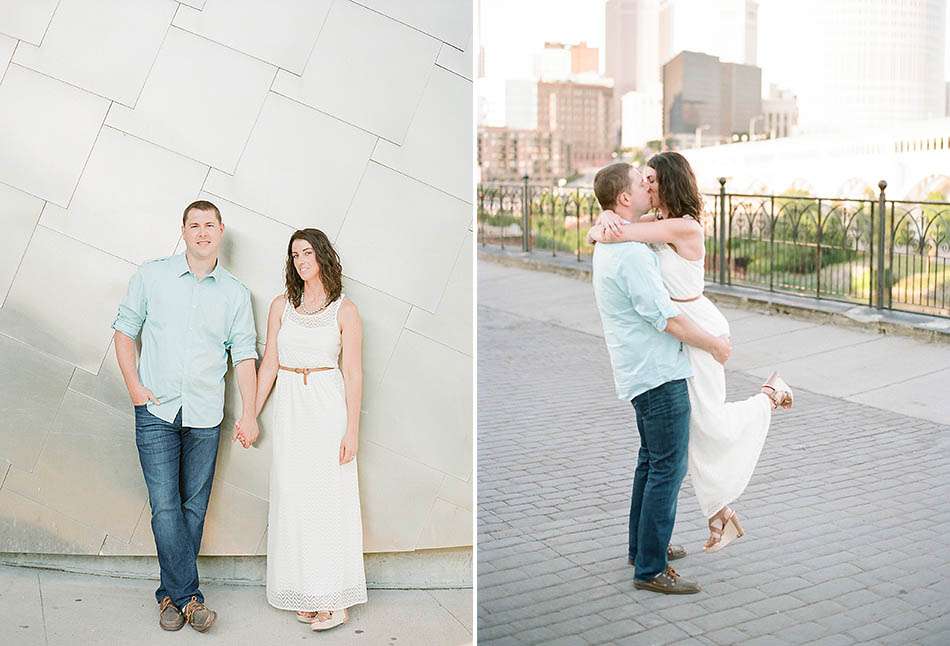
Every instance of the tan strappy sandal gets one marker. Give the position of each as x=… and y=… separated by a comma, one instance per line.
x=780, y=393
x=336, y=618
x=309, y=616
x=723, y=532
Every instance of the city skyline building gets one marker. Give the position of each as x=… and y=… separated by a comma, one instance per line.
x=584, y=59
x=707, y=100
x=780, y=112
x=631, y=54
x=521, y=104
x=553, y=62
x=508, y=154
x=741, y=96
x=581, y=114
x=868, y=64
x=642, y=116
x=727, y=29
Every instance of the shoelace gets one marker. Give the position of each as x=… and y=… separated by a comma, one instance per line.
x=165, y=603
x=670, y=572
x=192, y=607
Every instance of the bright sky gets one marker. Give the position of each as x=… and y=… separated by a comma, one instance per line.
x=512, y=31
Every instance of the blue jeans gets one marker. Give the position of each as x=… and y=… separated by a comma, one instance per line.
x=178, y=464
x=663, y=423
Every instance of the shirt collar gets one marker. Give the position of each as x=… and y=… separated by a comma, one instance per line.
x=182, y=268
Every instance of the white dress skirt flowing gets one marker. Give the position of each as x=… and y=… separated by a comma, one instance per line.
x=725, y=438
x=314, y=534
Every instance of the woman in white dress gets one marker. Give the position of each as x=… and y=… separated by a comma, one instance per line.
x=314, y=532
x=725, y=438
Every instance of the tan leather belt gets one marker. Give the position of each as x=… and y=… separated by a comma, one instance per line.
x=305, y=371
x=686, y=300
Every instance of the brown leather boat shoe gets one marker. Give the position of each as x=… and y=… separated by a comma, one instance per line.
x=668, y=582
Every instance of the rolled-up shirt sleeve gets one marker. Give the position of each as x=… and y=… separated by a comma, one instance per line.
x=242, y=340
x=133, y=309
x=645, y=286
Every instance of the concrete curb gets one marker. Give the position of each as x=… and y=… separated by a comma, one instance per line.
x=424, y=569
x=929, y=328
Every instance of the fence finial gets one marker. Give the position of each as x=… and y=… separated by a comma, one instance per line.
x=882, y=184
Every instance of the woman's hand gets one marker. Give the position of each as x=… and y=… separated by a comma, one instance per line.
x=596, y=234
x=612, y=223
x=348, y=447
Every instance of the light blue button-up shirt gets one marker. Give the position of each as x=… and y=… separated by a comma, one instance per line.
x=188, y=327
x=634, y=307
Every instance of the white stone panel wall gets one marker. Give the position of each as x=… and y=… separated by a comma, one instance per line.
x=354, y=117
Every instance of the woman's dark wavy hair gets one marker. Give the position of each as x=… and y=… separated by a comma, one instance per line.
x=331, y=271
x=676, y=185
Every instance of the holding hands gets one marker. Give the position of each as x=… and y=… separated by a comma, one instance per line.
x=246, y=431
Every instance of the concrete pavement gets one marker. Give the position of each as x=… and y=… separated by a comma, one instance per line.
x=846, y=516
x=47, y=607
x=900, y=374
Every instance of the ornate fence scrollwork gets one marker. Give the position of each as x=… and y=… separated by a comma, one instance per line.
x=824, y=247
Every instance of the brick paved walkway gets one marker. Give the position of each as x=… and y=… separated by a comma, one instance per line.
x=847, y=515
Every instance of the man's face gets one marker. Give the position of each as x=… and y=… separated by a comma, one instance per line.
x=637, y=195
x=649, y=177
x=202, y=233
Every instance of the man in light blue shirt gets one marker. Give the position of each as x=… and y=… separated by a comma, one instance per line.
x=191, y=313
x=645, y=334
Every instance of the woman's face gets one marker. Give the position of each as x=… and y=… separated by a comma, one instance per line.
x=652, y=186
x=305, y=260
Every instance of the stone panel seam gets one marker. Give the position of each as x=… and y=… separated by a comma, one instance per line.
x=329, y=114
x=416, y=179
x=428, y=517
x=158, y=52
x=59, y=80
x=461, y=76
x=313, y=45
x=3, y=72
x=445, y=287
x=405, y=24
x=220, y=44
x=356, y=191
x=85, y=244
x=416, y=461
x=250, y=133
x=55, y=419
x=5, y=472
x=89, y=156
x=81, y=523
x=23, y=255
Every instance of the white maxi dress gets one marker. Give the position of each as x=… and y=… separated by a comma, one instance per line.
x=725, y=438
x=314, y=534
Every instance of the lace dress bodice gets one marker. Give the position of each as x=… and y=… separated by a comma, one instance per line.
x=683, y=278
x=310, y=340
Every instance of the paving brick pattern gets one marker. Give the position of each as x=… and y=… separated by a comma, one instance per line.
x=847, y=515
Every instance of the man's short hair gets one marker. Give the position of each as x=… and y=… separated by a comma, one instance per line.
x=201, y=205
x=610, y=182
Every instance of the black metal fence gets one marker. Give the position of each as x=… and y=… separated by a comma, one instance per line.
x=888, y=254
